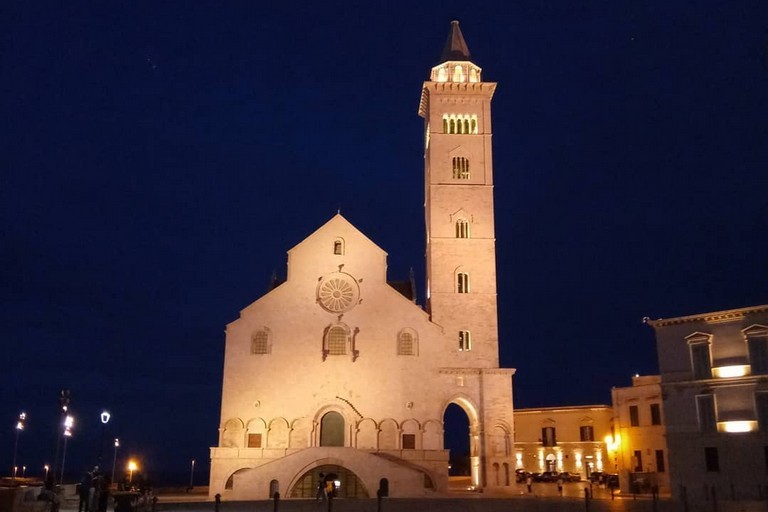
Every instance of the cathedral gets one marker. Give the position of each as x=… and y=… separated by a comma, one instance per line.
x=338, y=373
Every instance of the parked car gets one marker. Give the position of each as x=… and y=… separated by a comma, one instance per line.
x=570, y=477
x=612, y=481
x=548, y=476
x=596, y=477
x=521, y=475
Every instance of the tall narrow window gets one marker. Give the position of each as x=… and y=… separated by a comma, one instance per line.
x=660, y=466
x=462, y=282
x=705, y=408
x=338, y=246
x=462, y=228
x=638, y=459
x=586, y=433
x=758, y=354
x=332, y=429
x=701, y=362
x=761, y=410
x=711, y=459
x=465, y=341
x=458, y=74
x=655, y=414
x=548, y=437
x=460, y=167
x=634, y=417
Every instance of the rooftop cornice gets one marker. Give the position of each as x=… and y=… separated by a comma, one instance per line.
x=453, y=88
x=715, y=317
x=564, y=408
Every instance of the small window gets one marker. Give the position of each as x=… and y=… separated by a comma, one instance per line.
x=337, y=341
x=655, y=414
x=462, y=228
x=338, y=247
x=586, y=433
x=705, y=408
x=254, y=440
x=465, y=341
x=711, y=459
x=660, y=467
x=406, y=343
x=634, y=417
x=462, y=282
x=260, y=342
x=548, y=437
x=460, y=168
x=638, y=460
x=409, y=441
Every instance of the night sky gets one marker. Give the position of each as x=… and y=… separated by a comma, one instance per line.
x=159, y=159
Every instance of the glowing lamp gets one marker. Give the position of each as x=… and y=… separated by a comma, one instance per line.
x=725, y=372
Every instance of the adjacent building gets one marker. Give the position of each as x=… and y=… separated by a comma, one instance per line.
x=638, y=446
x=559, y=439
x=338, y=373
x=714, y=384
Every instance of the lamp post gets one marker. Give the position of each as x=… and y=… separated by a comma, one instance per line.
x=192, y=475
x=69, y=422
x=131, y=468
x=114, y=458
x=46, y=468
x=104, y=420
x=65, y=396
x=19, y=428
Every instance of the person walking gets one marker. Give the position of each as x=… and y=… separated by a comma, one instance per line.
x=320, y=488
x=529, y=483
x=85, y=493
x=560, y=485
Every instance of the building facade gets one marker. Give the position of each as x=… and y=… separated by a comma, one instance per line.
x=337, y=371
x=638, y=447
x=558, y=439
x=714, y=382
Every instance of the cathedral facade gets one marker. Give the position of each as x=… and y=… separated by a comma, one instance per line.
x=337, y=373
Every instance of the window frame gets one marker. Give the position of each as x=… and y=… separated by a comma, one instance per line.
x=634, y=416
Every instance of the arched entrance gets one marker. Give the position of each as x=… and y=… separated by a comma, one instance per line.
x=462, y=438
x=332, y=429
x=346, y=482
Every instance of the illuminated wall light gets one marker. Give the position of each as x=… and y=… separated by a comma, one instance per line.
x=599, y=455
x=725, y=372
x=518, y=460
x=577, y=456
x=541, y=459
x=559, y=461
x=735, y=427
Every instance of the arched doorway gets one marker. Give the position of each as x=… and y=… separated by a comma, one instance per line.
x=346, y=482
x=461, y=427
x=332, y=429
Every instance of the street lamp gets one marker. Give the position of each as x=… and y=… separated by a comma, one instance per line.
x=131, y=467
x=46, y=468
x=19, y=428
x=192, y=475
x=114, y=459
x=69, y=422
x=104, y=420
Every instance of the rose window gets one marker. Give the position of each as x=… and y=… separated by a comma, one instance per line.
x=338, y=293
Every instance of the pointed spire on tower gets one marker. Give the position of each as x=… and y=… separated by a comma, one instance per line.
x=455, y=47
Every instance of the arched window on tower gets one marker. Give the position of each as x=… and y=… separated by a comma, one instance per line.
x=473, y=125
x=462, y=282
x=458, y=74
x=465, y=341
x=462, y=228
x=460, y=166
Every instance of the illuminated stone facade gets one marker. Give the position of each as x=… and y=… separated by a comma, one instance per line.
x=714, y=380
x=336, y=370
x=638, y=450
x=561, y=439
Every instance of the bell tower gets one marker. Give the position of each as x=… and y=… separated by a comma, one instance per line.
x=458, y=172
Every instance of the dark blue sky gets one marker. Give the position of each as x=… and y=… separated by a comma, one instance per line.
x=159, y=159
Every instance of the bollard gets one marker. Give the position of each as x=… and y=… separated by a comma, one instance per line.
x=154, y=503
x=586, y=499
x=714, y=499
x=612, y=491
x=655, y=497
x=330, y=502
x=276, y=497
x=217, y=502
x=684, y=497
x=378, y=500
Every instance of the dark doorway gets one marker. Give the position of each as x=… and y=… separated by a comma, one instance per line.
x=332, y=429
x=456, y=439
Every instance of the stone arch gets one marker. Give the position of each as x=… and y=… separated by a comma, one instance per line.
x=299, y=434
x=432, y=437
x=500, y=441
x=411, y=427
x=367, y=434
x=304, y=485
x=230, y=484
x=472, y=411
x=232, y=433
x=388, y=435
x=257, y=428
x=277, y=436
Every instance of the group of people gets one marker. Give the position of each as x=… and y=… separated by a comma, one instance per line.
x=94, y=491
x=326, y=488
